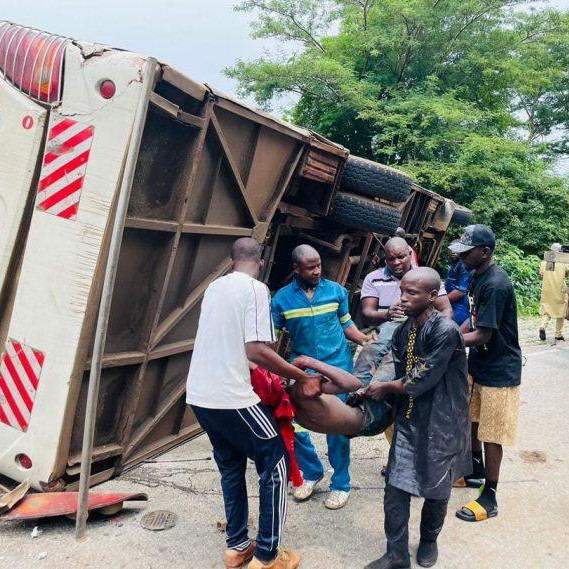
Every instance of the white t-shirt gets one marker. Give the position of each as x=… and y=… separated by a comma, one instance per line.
x=236, y=309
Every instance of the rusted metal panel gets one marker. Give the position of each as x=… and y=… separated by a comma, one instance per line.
x=195, y=190
x=36, y=506
x=239, y=108
x=184, y=83
x=320, y=166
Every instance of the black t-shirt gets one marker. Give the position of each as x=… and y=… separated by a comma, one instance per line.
x=499, y=362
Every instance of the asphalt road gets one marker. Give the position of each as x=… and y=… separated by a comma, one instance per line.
x=531, y=530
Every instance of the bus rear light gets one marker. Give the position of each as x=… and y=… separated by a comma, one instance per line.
x=107, y=89
x=24, y=461
x=32, y=61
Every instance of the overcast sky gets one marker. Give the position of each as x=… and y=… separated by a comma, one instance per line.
x=198, y=37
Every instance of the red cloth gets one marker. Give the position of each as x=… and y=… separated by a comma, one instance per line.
x=414, y=258
x=273, y=395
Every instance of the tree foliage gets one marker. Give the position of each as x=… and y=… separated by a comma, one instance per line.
x=523, y=271
x=470, y=97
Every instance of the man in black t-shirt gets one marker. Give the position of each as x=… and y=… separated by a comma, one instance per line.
x=494, y=364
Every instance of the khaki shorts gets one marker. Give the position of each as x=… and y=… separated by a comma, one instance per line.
x=495, y=409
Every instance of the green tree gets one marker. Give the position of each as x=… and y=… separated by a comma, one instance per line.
x=468, y=96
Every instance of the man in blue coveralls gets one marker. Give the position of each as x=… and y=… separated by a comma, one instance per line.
x=315, y=313
x=456, y=285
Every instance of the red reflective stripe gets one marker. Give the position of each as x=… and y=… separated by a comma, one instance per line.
x=60, y=127
x=70, y=211
x=3, y=416
x=65, y=169
x=68, y=145
x=39, y=356
x=26, y=364
x=12, y=403
x=18, y=382
x=62, y=194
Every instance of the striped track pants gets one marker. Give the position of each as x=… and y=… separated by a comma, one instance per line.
x=238, y=434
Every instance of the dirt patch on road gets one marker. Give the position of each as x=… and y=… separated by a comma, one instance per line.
x=533, y=456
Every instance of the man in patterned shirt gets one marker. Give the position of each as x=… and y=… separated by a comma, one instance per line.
x=431, y=442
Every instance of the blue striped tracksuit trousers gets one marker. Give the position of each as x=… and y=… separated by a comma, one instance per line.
x=238, y=434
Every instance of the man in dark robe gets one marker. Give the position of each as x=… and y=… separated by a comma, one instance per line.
x=431, y=445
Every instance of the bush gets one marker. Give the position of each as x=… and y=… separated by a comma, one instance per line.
x=523, y=272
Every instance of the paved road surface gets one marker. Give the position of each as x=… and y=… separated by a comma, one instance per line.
x=531, y=531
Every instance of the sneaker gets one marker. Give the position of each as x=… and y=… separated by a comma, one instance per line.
x=235, y=559
x=285, y=559
x=388, y=562
x=305, y=491
x=542, y=335
x=337, y=499
x=561, y=338
x=427, y=553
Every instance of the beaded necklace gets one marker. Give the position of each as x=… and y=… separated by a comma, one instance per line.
x=412, y=360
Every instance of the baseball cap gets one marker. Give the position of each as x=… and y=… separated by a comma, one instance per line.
x=478, y=235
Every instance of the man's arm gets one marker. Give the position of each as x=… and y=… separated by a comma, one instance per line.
x=355, y=335
x=427, y=372
x=442, y=304
x=340, y=381
x=379, y=389
x=261, y=354
x=375, y=317
x=476, y=337
x=351, y=331
x=277, y=315
x=489, y=313
x=455, y=295
x=461, y=285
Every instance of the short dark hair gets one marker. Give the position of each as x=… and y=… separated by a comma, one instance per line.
x=429, y=276
x=396, y=242
x=246, y=249
x=300, y=252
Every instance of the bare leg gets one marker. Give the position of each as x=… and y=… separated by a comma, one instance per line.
x=326, y=414
x=476, y=444
x=340, y=381
x=493, y=455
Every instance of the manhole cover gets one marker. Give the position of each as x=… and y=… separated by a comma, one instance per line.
x=159, y=520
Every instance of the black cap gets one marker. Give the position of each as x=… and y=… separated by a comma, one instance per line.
x=474, y=236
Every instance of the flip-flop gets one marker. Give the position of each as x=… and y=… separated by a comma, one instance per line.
x=476, y=512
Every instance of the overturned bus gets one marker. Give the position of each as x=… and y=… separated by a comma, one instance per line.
x=206, y=170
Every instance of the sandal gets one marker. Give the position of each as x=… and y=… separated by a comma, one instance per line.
x=476, y=512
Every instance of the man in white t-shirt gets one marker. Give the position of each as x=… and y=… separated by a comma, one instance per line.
x=234, y=328
x=381, y=306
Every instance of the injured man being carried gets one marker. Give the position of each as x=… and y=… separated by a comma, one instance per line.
x=326, y=413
